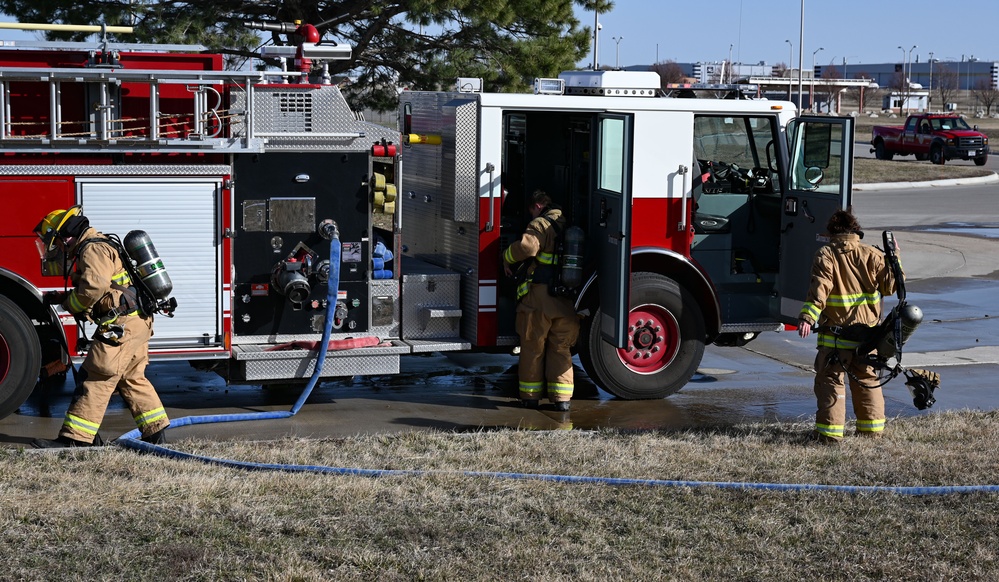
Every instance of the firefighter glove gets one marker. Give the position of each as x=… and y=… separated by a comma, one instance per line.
x=54, y=297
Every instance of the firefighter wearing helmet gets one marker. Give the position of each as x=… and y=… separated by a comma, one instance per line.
x=547, y=325
x=102, y=292
x=849, y=280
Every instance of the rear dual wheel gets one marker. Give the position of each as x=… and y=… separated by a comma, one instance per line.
x=665, y=342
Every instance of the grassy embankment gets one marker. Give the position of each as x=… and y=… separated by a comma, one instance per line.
x=112, y=514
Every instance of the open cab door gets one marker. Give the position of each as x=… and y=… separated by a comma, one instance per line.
x=820, y=182
x=610, y=214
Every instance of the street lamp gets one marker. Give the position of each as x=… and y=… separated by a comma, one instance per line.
x=730, y=63
x=908, y=81
x=596, y=39
x=904, y=85
x=811, y=90
x=617, y=56
x=790, y=66
x=930, y=97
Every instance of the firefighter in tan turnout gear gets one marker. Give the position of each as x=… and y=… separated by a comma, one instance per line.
x=848, y=282
x=102, y=292
x=547, y=325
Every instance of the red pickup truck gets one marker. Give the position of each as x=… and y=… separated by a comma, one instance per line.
x=937, y=138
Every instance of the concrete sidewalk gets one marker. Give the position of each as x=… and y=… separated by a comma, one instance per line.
x=976, y=180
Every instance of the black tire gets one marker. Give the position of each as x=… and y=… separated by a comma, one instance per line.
x=981, y=160
x=937, y=155
x=665, y=346
x=881, y=153
x=20, y=357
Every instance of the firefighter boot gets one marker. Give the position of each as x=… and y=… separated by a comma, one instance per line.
x=60, y=442
x=157, y=438
x=562, y=406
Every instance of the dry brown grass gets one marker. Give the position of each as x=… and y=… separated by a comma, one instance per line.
x=115, y=515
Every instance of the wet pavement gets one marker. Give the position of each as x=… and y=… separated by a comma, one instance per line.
x=952, y=277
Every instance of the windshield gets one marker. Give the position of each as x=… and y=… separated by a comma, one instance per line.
x=945, y=123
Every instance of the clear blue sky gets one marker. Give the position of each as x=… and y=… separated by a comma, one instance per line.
x=862, y=31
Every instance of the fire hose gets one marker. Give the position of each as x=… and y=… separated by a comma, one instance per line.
x=131, y=440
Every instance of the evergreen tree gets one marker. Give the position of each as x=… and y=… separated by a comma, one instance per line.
x=415, y=44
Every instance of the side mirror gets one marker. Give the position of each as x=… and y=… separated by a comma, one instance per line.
x=814, y=175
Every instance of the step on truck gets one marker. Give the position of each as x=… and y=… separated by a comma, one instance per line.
x=701, y=216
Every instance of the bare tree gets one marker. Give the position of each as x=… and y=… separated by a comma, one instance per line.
x=947, y=82
x=865, y=93
x=986, y=94
x=669, y=72
x=898, y=86
x=828, y=74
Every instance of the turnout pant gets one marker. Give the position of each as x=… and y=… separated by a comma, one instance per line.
x=548, y=328
x=119, y=367
x=830, y=394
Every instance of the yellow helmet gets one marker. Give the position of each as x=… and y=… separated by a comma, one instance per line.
x=53, y=222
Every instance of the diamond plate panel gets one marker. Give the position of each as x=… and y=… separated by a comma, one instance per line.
x=316, y=118
x=427, y=179
x=123, y=170
x=461, y=173
x=429, y=290
x=301, y=364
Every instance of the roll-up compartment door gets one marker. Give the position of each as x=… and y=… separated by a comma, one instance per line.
x=182, y=218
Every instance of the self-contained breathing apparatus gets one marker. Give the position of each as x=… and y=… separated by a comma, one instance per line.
x=565, y=274
x=150, y=285
x=145, y=285
x=884, y=341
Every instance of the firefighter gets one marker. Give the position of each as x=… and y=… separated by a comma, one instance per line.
x=845, y=298
x=102, y=293
x=547, y=325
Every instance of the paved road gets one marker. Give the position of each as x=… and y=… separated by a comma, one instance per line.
x=950, y=249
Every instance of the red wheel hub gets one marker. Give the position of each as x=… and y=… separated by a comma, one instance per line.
x=653, y=339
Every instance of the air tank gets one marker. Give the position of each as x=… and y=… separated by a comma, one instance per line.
x=153, y=274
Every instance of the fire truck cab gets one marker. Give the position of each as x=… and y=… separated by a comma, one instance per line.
x=701, y=215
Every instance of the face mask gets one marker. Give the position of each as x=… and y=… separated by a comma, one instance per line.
x=54, y=261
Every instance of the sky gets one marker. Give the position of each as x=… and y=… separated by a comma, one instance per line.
x=861, y=31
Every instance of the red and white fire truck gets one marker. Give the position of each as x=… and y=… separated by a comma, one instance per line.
x=701, y=215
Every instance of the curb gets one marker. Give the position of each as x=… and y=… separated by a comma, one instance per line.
x=991, y=178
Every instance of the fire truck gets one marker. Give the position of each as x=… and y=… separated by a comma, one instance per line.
x=701, y=216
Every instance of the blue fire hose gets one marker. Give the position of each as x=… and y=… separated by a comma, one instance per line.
x=131, y=440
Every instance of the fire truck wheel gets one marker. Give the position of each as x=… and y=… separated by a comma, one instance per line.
x=665, y=342
x=20, y=357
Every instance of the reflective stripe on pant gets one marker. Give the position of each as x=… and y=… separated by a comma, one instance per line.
x=830, y=395
x=548, y=328
x=121, y=367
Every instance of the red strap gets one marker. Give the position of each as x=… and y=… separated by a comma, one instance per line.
x=334, y=345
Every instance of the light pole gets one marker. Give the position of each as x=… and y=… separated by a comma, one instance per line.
x=909, y=79
x=596, y=39
x=617, y=55
x=903, y=84
x=730, y=63
x=929, y=98
x=801, y=50
x=811, y=90
x=790, y=66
